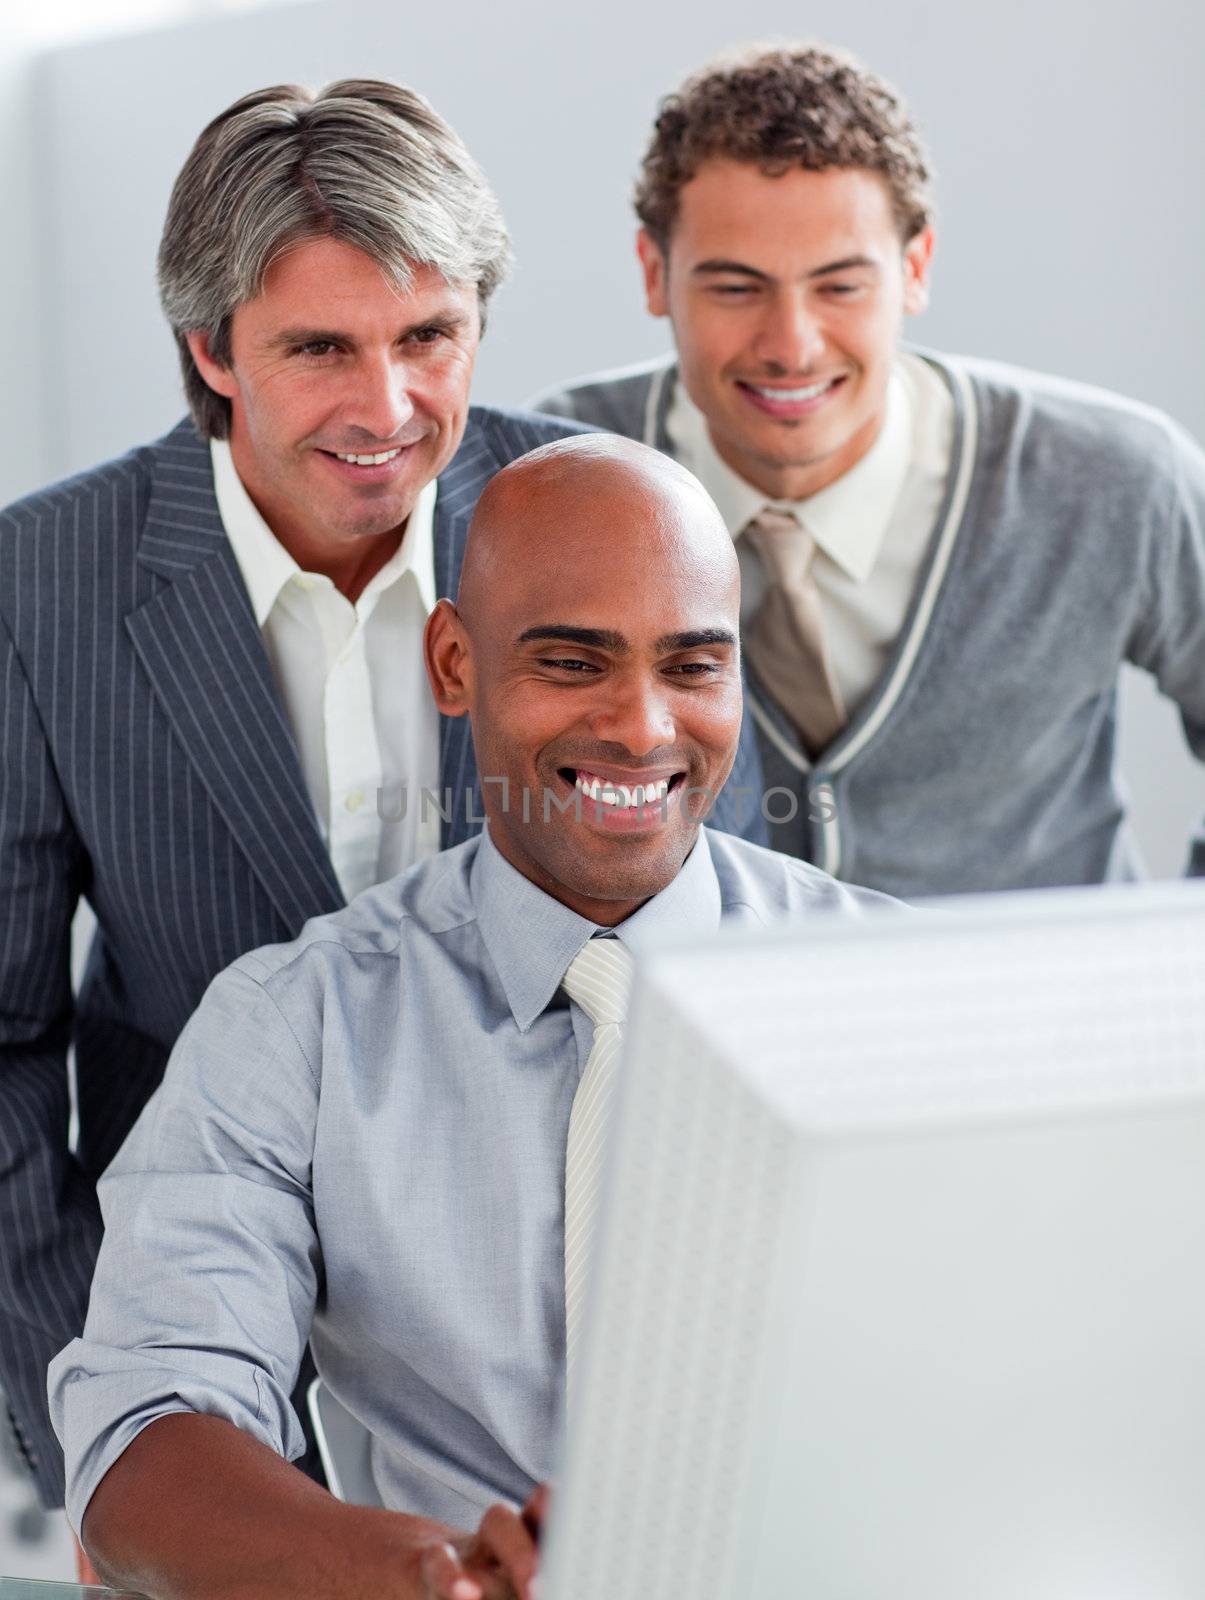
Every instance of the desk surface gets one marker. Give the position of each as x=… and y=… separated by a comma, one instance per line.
x=31, y=1589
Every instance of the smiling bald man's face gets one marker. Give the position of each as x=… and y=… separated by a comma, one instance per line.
x=594, y=645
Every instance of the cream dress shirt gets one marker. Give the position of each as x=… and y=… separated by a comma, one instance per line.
x=353, y=684
x=872, y=526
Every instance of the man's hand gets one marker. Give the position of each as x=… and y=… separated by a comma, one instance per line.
x=194, y=1508
x=498, y=1562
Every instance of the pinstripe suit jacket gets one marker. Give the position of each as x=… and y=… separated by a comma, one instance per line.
x=147, y=765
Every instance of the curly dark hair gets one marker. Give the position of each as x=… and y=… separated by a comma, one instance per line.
x=800, y=105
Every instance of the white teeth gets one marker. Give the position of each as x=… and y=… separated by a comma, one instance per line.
x=793, y=395
x=620, y=795
x=371, y=461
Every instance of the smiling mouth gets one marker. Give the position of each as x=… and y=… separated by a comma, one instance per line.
x=365, y=459
x=368, y=461
x=612, y=795
x=799, y=394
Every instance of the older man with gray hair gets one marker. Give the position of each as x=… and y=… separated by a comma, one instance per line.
x=215, y=719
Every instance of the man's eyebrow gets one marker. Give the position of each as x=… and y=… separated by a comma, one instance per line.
x=596, y=638
x=738, y=268
x=846, y=264
x=693, y=639
x=742, y=269
x=300, y=336
x=290, y=338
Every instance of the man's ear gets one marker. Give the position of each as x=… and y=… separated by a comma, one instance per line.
x=446, y=651
x=655, y=268
x=219, y=378
x=918, y=257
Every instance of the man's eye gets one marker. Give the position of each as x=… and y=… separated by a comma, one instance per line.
x=425, y=335
x=734, y=291
x=568, y=664
x=315, y=349
x=695, y=669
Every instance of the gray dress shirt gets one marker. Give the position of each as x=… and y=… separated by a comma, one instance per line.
x=362, y=1133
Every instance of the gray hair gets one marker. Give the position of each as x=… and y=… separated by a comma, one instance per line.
x=363, y=161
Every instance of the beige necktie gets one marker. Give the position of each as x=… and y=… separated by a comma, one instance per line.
x=785, y=639
x=599, y=979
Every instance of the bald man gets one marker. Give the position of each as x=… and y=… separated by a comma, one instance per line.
x=361, y=1138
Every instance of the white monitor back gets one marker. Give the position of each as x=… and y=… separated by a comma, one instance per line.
x=900, y=1288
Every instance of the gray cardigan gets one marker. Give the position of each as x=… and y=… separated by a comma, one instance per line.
x=1071, y=538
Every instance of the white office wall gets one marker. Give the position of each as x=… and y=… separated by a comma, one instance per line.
x=1067, y=137
x=24, y=457
x=29, y=448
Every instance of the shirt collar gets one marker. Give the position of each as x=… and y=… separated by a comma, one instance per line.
x=849, y=519
x=266, y=565
x=264, y=562
x=531, y=938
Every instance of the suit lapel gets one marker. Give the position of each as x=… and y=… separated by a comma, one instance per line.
x=459, y=487
x=200, y=647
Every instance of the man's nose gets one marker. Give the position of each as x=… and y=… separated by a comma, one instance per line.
x=635, y=712
x=790, y=336
x=380, y=403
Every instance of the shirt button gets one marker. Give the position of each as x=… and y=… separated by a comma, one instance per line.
x=354, y=800
x=306, y=581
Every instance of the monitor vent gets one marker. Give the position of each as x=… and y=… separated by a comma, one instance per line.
x=688, y=1128
x=975, y=1024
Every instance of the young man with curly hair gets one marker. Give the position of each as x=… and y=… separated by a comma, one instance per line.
x=945, y=562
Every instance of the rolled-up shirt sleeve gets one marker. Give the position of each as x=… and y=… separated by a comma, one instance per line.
x=208, y=1274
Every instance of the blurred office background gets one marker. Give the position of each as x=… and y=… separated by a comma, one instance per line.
x=1068, y=137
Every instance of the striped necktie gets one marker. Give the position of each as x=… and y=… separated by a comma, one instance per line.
x=599, y=980
x=785, y=638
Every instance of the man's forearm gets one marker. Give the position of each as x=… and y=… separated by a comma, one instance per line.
x=197, y=1508
x=50, y=1232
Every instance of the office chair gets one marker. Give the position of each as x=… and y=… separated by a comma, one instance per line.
x=344, y=1444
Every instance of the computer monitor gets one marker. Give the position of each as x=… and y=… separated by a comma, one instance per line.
x=901, y=1280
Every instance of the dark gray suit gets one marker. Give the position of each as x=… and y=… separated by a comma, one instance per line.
x=145, y=764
